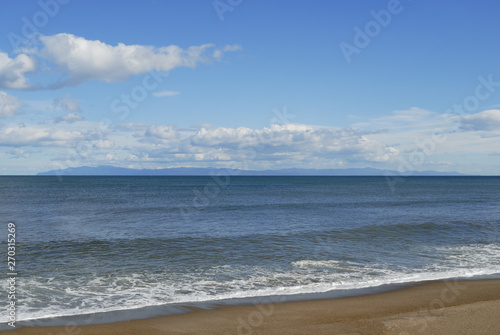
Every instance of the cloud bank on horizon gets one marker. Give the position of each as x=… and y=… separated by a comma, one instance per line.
x=67, y=100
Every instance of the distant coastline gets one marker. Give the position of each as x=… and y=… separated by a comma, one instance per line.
x=106, y=170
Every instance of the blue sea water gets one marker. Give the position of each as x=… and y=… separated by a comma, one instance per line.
x=96, y=244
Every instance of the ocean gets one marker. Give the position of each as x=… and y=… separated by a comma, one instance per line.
x=125, y=244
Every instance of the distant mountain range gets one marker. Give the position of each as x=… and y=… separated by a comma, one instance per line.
x=185, y=171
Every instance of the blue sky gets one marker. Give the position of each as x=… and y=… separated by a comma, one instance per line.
x=401, y=85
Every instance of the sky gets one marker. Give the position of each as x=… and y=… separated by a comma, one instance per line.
x=399, y=85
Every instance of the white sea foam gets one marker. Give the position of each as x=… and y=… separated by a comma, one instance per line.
x=51, y=298
x=334, y=264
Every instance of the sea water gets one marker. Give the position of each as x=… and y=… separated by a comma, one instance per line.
x=97, y=244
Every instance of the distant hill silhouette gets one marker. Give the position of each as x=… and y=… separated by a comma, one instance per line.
x=186, y=171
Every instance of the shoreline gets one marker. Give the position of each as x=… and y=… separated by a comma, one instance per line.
x=437, y=307
x=176, y=308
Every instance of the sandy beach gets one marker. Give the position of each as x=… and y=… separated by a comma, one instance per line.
x=442, y=307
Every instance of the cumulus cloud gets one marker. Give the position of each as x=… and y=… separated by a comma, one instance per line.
x=165, y=94
x=9, y=105
x=76, y=60
x=280, y=145
x=69, y=118
x=488, y=120
x=162, y=132
x=13, y=71
x=277, y=142
x=37, y=135
x=82, y=60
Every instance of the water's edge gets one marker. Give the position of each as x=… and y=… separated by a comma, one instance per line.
x=182, y=308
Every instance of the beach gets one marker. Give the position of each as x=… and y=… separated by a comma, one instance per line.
x=134, y=248
x=440, y=307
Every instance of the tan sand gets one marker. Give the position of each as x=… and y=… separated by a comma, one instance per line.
x=453, y=307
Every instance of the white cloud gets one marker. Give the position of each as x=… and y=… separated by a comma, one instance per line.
x=165, y=94
x=19, y=153
x=9, y=105
x=234, y=47
x=76, y=60
x=104, y=144
x=13, y=71
x=415, y=122
x=429, y=140
x=69, y=118
x=83, y=59
x=67, y=103
x=162, y=132
x=412, y=118
x=488, y=120
x=276, y=146
x=37, y=135
x=296, y=143
x=217, y=54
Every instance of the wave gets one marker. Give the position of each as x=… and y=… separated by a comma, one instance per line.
x=44, y=297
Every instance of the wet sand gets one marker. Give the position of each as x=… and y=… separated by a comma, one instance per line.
x=442, y=307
